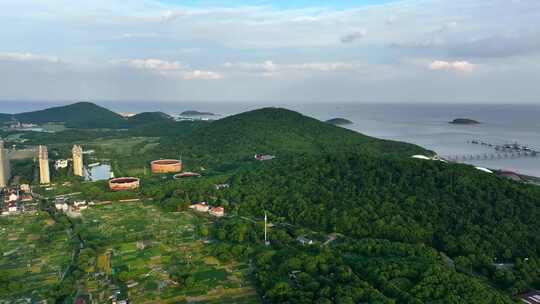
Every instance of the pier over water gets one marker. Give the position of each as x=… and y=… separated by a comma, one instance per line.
x=498, y=151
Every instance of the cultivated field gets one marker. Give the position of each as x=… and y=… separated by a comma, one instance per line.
x=158, y=257
x=34, y=252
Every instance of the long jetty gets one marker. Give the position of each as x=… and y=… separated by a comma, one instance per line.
x=499, y=151
x=490, y=156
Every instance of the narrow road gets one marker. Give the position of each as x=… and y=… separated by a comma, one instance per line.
x=47, y=206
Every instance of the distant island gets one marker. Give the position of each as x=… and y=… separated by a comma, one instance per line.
x=339, y=121
x=197, y=113
x=464, y=121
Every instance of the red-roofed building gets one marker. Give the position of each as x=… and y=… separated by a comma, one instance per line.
x=217, y=211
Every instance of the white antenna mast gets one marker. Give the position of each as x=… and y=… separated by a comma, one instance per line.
x=265, y=232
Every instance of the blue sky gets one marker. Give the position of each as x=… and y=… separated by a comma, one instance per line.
x=257, y=51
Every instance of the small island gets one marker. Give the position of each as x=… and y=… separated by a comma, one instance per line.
x=196, y=113
x=339, y=122
x=464, y=121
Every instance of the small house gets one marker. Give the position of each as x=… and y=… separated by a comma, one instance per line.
x=12, y=207
x=261, y=157
x=79, y=203
x=61, y=205
x=25, y=187
x=13, y=197
x=304, y=241
x=222, y=186
x=217, y=211
x=61, y=164
x=26, y=197
x=200, y=207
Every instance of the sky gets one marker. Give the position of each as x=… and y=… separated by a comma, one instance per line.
x=459, y=51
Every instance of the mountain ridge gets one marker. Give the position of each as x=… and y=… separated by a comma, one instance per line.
x=279, y=130
x=77, y=115
x=86, y=115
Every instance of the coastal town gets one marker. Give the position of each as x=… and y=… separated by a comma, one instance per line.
x=52, y=198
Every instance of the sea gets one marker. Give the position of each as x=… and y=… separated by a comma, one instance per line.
x=425, y=124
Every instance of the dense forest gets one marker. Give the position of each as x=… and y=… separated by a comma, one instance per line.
x=273, y=130
x=477, y=219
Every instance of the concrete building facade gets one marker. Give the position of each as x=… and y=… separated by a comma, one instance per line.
x=44, y=174
x=5, y=169
x=78, y=168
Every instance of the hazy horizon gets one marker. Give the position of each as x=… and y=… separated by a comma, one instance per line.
x=20, y=106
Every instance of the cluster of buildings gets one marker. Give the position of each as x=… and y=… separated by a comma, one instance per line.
x=204, y=207
x=22, y=126
x=71, y=209
x=17, y=200
x=43, y=162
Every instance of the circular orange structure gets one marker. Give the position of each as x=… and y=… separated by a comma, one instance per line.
x=186, y=175
x=166, y=166
x=124, y=183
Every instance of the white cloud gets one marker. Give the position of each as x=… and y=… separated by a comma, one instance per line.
x=158, y=65
x=26, y=57
x=172, y=68
x=170, y=16
x=138, y=35
x=459, y=66
x=354, y=36
x=324, y=66
x=203, y=75
x=269, y=68
x=304, y=44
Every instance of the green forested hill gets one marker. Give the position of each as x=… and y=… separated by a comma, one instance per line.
x=149, y=118
x=476, y=218
x=77, y=115
x=456, y=208
x=86, y=115
x=277, y=131
x=5, y=117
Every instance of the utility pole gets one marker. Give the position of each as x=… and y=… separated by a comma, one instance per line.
x=266, y=242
